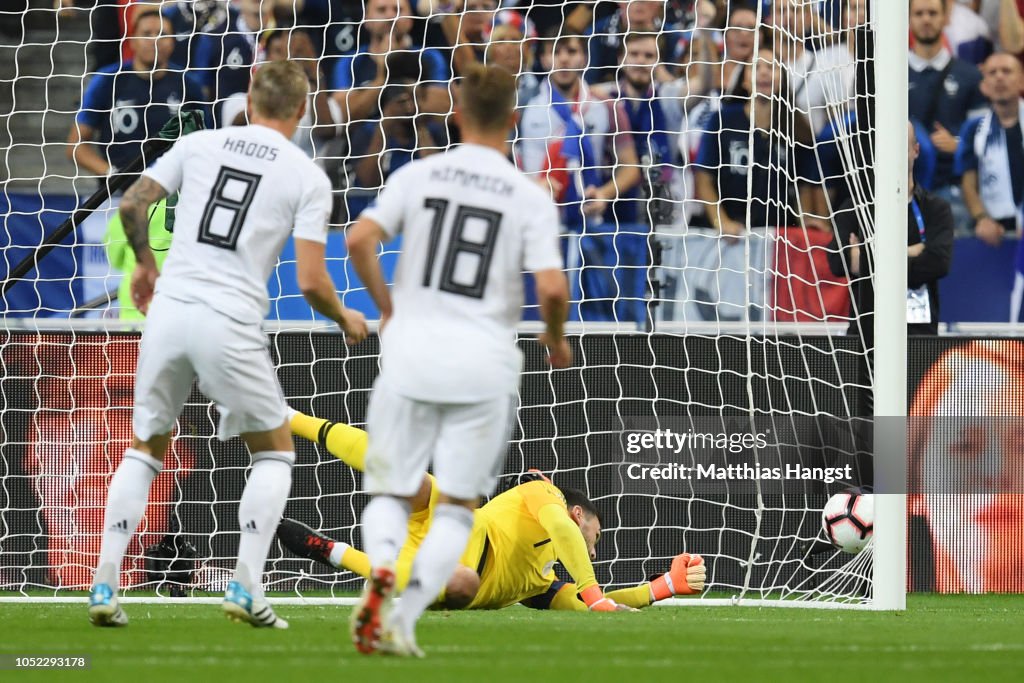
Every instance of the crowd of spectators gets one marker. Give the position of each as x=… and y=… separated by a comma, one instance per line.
x=722, y=114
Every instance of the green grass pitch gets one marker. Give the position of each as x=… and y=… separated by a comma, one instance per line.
x=938, y=638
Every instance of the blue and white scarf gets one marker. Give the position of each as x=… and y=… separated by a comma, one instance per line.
x=578, y=150
x=994, y=179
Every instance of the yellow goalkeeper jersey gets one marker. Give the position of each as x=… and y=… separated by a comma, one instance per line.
x=510, y=549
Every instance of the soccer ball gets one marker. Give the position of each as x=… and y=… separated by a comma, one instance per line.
x=848, y=520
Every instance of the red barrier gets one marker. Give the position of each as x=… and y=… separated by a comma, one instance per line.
x=76, y=438
x=803, y=288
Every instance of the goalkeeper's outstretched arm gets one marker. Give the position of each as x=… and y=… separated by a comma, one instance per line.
x=572, y=552
x=686, y=576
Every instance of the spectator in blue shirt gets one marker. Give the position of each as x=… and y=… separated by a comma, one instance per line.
x=655, y=113
x=224, y=56
x=990, y=159
x=785, y=177
x=389, y=54
x=188, y=19
x=605, y=41
x=125, y=104
x=944, y=93
x=334, y=27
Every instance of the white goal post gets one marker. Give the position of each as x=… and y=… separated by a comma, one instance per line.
x=890, y=378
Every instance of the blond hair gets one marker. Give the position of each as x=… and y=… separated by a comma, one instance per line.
x=278, y=89
x=487, y=97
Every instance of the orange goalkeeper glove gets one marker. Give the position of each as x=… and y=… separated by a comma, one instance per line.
x=597, y=602
x=686, y=576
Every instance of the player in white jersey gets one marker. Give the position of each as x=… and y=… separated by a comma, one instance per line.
x=243, y=191
x=471, y=225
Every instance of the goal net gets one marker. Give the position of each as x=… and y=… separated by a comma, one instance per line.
x=702, y=155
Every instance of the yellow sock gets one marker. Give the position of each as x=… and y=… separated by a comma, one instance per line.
x=637, y=596
x=344, y=442
x=356, y=561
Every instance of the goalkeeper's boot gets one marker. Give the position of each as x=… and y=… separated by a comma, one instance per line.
x=394, y=641
x=304, y=542
x=104, y=609
x=373, y=607
x=239, y=605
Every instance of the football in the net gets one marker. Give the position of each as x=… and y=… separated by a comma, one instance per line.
x=848, y=520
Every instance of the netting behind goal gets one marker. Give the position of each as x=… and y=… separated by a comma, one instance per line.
x=707, y=300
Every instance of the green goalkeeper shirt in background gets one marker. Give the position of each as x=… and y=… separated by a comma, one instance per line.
x=121, y=256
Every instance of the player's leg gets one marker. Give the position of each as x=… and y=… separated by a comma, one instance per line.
x=560, y=595
x=402, y=434
x=163, y=381
x=348, y=444
x=259, y=512
x=343, y=441
x=313, y=545
x=236, y=372
x=469, y=456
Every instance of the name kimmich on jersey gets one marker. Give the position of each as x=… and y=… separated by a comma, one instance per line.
x=471, y=224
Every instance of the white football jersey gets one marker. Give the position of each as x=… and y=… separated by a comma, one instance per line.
x=471, y=225
x=242, y=191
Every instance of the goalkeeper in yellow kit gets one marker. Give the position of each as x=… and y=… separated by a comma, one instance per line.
x=516, y=539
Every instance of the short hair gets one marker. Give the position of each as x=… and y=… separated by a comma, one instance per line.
x=145, y=11
x=567, y=38
x=1002, y=53
x=633, y=36
x=278, y=89
x=506, y=33
x=574, y=497
x=274, y=35
x=942, y=5
x=402, y=65
x=736, y=7
x=286, y=33
x=487, y=96
x=392, y=91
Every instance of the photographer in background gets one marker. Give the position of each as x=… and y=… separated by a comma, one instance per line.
x=929, y=254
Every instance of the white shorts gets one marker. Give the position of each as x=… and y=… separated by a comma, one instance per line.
x=466, y=442
x=184, y=340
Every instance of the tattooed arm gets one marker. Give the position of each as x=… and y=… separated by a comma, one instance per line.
x=135, y=217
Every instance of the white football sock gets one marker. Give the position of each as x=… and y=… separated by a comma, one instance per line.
x=126, y=503
x=337, y=554
x=435, y=562
x=259, y=513
x=385, y=527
